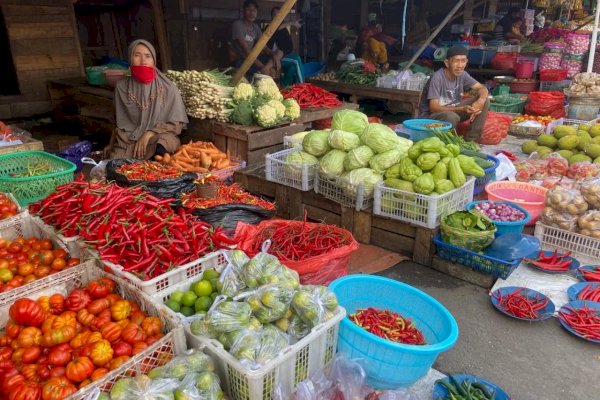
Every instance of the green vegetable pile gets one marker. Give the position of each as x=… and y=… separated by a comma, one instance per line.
x=186, y=377
x=355, y=73
x=262, y=105
x=262, y=308
x=468, y=229
x=465, y=390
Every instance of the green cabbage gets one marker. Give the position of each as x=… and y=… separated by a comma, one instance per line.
x=316, y=143
x=404, y=143
x=342, y=140
x=296, y=139
x=295, y=161
x=383, y=161
x=350, y=121
x=358, y=158
x=380, y=138
x=332, y=163
x=365, y=176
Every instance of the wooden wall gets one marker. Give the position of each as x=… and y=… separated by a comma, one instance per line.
x=44, y=45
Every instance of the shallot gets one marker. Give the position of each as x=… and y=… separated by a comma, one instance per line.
x=500, y=212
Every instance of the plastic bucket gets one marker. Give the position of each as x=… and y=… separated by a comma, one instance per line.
x=527, y=195
x=391, y=365
x=524, y=69
x=506, y=227
x=583, y=108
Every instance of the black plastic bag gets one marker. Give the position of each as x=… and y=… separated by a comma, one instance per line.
x=228, y=215
x=163, y=189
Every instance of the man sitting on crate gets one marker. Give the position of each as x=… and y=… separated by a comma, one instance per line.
x=442, y=97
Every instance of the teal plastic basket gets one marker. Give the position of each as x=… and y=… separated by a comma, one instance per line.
x=506, y=227
x=391, y=365
x=28, y=189
x=476, y=261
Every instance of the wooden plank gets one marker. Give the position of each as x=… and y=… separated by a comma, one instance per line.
x=31, y=145
x=368, y=91
x=314, y=199
x=42, y=46
x=347, y=218
x=318, y=214
x=220, y=141
x=362, y=227
x=15, y=10
x=463, y=273
x=37, y=19
x=392, y=241
x=424, y=247
x=96, y=91
x=310, y=115
x=88, y=99
x=30, y=108
x=258, y=156
x=393, y=225
x=161, y=35
x=40, y=30
x=45, y=61
x=258, y=140
x=231, y=131
x=76, y=39
x=262, y=187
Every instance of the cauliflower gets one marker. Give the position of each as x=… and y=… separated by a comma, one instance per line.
x=292, y=109
x=279, y=107
x=243, y=91
x=268, y=89
x=266, y=116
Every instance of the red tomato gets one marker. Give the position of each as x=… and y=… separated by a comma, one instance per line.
x=26, y=391
x=27, y=312
x=57, y=388
x=122, y=349
x=79, y=369
x=101, y=288
x=57, y=371
x=60, y=355
x=31, y=354
x=78, y=299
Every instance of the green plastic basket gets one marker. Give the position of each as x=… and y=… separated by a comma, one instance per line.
x=512, y=103
x=33, y=188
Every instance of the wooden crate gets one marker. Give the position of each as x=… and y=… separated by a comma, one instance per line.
x=397, y=236
x=32, y=144
x=251, y=143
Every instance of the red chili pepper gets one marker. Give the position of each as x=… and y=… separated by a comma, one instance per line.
x=311, y=96
x=591, y=276
x=148, y=171
x=520, y=305
x=585, y=321
x=554, y=262
x=388, y=325
x=226, y=194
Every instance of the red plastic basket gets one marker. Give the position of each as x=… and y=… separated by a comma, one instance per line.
x=553, y=75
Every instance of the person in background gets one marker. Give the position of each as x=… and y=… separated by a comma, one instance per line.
x=245, y=34
x=150, y=113
x=516, y=31
x=442, y=96
x=504, y=27
x=373, y=49
x=281, y=43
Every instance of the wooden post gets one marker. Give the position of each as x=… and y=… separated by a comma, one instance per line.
x=433, y=35
x=262, y=42
x=161, y=35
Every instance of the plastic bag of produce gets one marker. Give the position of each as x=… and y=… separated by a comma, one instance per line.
x=589, y=224
x=557, y=219
x=163, y=188
x=144, y=388
x=314, y=304
x=223, y=316
x=265, y=268
x=231, y=281
x=583, y=170
x=256, y=348
x=202, y=386
x=268, y=302
x=590, y=189
x=566, y=200
x=495, y=128
x=191, y=361
x=546, y=103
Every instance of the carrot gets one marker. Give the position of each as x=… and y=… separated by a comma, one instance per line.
x=167, y=158
x=205, y=160
x=158, y=158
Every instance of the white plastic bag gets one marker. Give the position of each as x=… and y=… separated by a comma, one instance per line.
x=99, y=170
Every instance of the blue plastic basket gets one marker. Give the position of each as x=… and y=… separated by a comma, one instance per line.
x=416, y=129
x=390, y=365
x=490, y=176
x=506, y=227
x=481, y=56
x=478, y=262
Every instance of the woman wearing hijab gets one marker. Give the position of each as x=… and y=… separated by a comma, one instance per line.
x=149, y=108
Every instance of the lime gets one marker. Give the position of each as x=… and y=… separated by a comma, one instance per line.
x=188, y=299
x=202, y=288
x=173, y=305
x=210, y=274
x=203, y=303
x=214, y=295
x=187, y=311
x=176, y=296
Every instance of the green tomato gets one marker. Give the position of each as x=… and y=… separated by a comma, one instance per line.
x=5, y=275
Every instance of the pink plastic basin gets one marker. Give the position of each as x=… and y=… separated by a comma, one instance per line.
x=530, y=197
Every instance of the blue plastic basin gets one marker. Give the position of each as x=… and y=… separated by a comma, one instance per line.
x=390, y=365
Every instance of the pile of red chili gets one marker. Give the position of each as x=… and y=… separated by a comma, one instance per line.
x=226, y=194
x=127, y=226
x=388, y=325
x=585, y=321
x=311, y=96
x=590, y=276
x=148, y=171
x=554, y=262
x=587, y=293
x=300, y=240
x=520, y=305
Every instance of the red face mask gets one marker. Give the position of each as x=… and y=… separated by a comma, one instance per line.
x=142, y=73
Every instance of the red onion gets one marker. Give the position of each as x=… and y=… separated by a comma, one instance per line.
x=500, y=212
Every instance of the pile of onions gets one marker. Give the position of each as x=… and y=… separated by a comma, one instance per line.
x=500, y=212
x=577, y=43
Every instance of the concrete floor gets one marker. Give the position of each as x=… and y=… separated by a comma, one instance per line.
x=530, y=361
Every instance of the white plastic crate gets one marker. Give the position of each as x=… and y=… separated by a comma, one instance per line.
x=341, y=191
x=415, y=84
x=24, y=225
x=565, y=121
x=226, y=173
x=419, y=209
x=299, y=176
x=554, y=86
x=293, y=365
x=180, y=274
x=161, y=351
x=511, y=48
x=585, y=249
x=73, y=244
x=290, y=142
